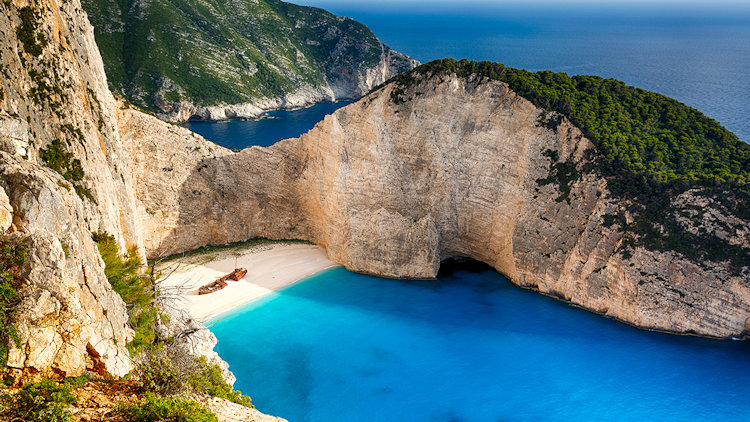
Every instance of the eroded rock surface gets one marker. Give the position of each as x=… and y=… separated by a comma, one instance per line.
x=391, y=186
x=70, y=320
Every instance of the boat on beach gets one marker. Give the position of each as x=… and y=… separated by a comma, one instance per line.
x=237, y=274
x=219, y=284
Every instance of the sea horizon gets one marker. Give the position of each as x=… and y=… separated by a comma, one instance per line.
x=695, y=53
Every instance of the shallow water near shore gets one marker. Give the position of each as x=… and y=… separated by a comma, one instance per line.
x=470, y=346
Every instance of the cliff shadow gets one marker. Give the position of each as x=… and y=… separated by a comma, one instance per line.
x=236, y=197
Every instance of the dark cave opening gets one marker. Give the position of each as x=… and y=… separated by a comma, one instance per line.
x=461, y=263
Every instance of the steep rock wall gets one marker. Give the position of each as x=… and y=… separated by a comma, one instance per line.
x=395, y=183
x=70, y=320
x=53, y=88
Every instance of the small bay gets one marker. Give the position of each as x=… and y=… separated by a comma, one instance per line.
x=467, y=347
x=274, y=126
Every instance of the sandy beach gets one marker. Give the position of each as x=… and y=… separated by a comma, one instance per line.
x=269, y=267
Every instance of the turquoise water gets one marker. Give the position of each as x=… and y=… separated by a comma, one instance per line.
x=468, y=347
x=277, y=125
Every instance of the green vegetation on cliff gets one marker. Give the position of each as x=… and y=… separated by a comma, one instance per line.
x=13, y=253
x=161, y=367
x=167, y=370
x=136, y=291
x=33, y=42
x=44, y=401
x=56, y=157
x=156, y=408
x=163, y=51
x=649, y=147
x=636, y=132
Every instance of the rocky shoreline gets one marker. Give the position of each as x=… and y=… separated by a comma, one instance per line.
x=185, y=111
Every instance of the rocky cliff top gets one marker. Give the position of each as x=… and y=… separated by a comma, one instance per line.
x=653, y=151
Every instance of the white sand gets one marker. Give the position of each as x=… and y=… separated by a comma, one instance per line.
x=269, y=267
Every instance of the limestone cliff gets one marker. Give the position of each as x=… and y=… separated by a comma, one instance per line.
x=63, y=175
x=392, y=186
x=70, y=320
x=53, y=87
x=56, y=111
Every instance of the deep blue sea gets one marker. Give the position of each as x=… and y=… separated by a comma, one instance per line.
x=469, y=347
x=696, y=52
x=275, y=126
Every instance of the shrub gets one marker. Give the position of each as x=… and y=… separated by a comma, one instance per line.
x=33, y=42
x=12, y=260
x=44, y=401
x=78, y=382
x=208, y=379
x=57, y=157
x=163, y=372
x=122, y=273
x=157, y=409
x=169, y=370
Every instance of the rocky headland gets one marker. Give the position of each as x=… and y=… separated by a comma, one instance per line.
x=457, y=170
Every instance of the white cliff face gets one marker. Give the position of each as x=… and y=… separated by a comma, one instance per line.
x=70, y=320
x=60, y=92
x=451, y=169
x=53, y=87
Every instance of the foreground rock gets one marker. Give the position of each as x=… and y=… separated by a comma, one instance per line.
x=54, y=91
x=71, y=320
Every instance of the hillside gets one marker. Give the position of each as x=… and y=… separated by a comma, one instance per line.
x=178, y=57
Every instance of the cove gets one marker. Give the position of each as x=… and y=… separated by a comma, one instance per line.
x=273, y=127
x=470, y=346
